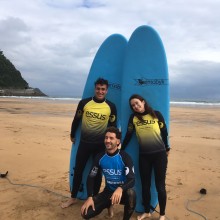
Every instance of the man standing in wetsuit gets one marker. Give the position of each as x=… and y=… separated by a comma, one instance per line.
x=118, y=170
x=96, y=114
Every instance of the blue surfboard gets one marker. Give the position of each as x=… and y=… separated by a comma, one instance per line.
x=145, y=73
x=108, y=64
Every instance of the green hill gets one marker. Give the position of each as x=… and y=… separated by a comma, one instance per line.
x=11, y=81
x=10, y=77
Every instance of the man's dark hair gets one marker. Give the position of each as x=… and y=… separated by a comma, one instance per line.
x=114, y=130
x=101, y=81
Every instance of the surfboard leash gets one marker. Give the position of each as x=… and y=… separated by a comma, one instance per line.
x=29, y=185
x=202, y=192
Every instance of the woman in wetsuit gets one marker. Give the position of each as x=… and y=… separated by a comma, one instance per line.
x=152, y=136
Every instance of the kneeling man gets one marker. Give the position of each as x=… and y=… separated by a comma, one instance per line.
x=118, y=170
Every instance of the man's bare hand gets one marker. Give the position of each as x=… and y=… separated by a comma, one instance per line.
x=89, y=202
x=116, y=196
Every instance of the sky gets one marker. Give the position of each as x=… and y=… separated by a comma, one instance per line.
x=53, y=42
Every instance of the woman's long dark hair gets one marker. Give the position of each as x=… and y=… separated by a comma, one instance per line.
x=147, y=107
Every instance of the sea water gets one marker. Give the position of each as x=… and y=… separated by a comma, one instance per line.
x=191, y=103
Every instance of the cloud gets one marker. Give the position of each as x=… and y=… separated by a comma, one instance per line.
x=196, y=80
x=69, y=4
x=14, y=32
x=52, y=42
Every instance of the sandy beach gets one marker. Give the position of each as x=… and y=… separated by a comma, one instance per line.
x=35, y=150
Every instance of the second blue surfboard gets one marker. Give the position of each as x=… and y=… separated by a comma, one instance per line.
x=145, y=73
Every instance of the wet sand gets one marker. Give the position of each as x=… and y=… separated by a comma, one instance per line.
x=35, y=150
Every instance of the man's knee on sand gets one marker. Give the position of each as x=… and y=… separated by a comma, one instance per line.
x=84, y=216
x=90, y=214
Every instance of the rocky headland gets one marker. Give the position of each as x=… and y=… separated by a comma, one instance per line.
x=22, y=92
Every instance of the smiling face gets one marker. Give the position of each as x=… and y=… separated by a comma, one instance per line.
x=100, y=91
x=137, y=105
x=111, y=142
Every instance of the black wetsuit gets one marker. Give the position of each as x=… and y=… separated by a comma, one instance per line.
x=153, y=144
x=95, y=116
x=118, y=170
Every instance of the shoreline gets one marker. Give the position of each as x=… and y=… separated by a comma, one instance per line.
x=35, y=149
x=192, y=103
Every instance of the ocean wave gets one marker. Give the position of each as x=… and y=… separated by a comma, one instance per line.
x=195, y=103
x=44, y=98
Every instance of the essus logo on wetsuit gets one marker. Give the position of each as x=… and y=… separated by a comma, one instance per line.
x=145, y=122
x=112, y=172
x=95, y=115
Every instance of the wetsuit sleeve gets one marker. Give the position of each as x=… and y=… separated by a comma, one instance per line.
x=128, y=135
x=113, y=117
x=129, y=171
x=163, y=129
x=92, y=175
x=77, y=118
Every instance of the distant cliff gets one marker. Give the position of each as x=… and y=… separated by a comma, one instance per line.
x=11, y=81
